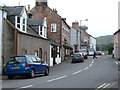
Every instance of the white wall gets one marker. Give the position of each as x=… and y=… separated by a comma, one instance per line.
x=92, y=43
x=0, y=39
x=51, y=59
x=58, y=59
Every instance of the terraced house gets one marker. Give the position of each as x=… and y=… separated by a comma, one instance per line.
x=20, y=36
x=55, y=27
x=117, y=44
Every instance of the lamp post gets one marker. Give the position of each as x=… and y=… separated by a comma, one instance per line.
x=80, y=30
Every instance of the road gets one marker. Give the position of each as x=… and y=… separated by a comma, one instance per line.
x=92, y=73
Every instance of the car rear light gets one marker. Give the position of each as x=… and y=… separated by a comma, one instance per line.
x=27, y=65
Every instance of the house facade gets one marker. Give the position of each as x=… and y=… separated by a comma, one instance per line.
x=54, y=33
x=2, y=17
x=81, y=39
x=19, y=38
x=92, y=43
x=76, y=33
x=75, y=40
x=117, y=44
x=65, y=42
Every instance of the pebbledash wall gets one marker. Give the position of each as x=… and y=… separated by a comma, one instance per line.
x=0, y=39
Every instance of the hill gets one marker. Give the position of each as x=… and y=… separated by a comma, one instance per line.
x=105, y=40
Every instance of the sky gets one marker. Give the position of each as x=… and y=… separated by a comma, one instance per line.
x=102, y=15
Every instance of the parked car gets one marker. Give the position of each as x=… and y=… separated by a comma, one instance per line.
x=28, y=65
x=77, y=57
x=84, y=53
x=99, y=53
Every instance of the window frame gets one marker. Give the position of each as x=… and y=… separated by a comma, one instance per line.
x=53, y=27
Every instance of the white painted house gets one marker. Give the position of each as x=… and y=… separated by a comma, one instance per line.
x=92, y=44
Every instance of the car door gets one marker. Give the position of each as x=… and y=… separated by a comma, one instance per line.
x=41, y=65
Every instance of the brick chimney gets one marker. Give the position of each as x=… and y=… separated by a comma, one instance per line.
x=28, y=12
x=75, y=25
x=41, y=2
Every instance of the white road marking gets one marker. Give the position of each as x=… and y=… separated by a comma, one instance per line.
x=90, y=65
x=27, y=86
x=102, y=85
x=106, y=86
x=112, y=84
x=77, y=72
x=119, y=62
x=56, y=79
x=23, y=87
x=116, y=62
x=86, y=68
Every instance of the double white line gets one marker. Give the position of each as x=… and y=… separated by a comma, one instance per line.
x=105, y=85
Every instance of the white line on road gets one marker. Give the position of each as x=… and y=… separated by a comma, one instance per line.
x=27, y=86
x=106, y=86
x=56, y=79
x=90, y=65
x=119, y=62
x=24, y=87
x=116, y=62
x=102, y=85
x=112, y=84
x=86, y=68
x=77, y=72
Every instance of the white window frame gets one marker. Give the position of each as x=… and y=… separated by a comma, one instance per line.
x=21, y=24
x=17, y=22
x=53, y=27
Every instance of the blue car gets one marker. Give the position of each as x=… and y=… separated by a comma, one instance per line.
x=28, y=65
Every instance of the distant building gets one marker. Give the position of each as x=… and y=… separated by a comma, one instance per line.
x=117, y=44
x=81, y=39
x=75, y=37
x=75, y=40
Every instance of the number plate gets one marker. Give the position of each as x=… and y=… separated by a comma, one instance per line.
x=15, y=67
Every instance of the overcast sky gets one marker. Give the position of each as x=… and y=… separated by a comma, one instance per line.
x=102, y=15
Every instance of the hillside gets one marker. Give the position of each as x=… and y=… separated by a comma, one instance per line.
x=104, y=40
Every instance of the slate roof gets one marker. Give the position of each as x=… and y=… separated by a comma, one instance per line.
x=13, y=10
x=35, y=21
x=117, y=32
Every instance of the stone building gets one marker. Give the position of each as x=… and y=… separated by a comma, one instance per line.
x=20, y=39
x=54, y=20
x=65, y=42
x=83, y=39
x=117, y=44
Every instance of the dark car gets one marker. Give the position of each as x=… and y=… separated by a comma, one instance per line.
x=28, y=65
x=77, y=57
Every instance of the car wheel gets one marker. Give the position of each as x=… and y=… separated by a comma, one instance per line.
x=46, y=71
x=10, y=76
x=32, y=73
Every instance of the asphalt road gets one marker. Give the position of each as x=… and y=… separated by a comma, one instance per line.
x=97, y=73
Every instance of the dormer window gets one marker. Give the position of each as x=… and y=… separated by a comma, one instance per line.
x=43, y=31
x=21, y=23
x=18, y=22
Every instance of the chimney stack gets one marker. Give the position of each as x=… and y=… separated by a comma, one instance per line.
x=28, y=12
x=55, y=10
x=41, y=2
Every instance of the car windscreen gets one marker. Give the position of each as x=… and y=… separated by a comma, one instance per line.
x=16, y=60
x=76, y=55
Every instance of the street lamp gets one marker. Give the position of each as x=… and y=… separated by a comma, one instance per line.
x=80, y=29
